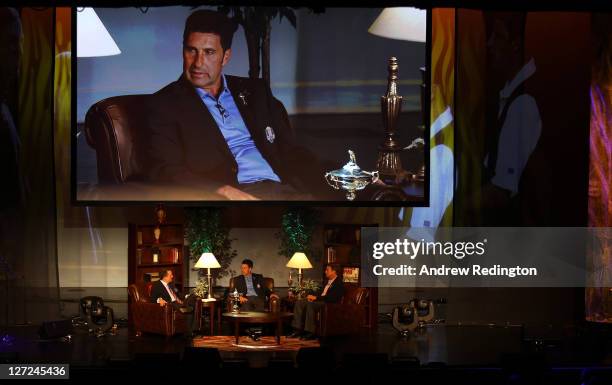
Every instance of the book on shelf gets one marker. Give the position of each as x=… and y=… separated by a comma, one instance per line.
x=151, y=277
x=331, y=255
x=350, y=275
x=156, y=252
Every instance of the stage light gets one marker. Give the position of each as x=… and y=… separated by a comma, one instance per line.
x=93, y=39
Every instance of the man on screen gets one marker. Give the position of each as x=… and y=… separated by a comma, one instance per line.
x=225, y=134
x=514, y=160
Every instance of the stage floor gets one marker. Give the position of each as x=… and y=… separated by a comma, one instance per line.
x=451, y=345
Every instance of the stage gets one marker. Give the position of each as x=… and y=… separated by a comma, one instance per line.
x=473, y=351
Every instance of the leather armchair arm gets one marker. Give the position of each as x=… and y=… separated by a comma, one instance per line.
x=336, y=318
x=274, y=303
x=153, y=309
x=154, y=318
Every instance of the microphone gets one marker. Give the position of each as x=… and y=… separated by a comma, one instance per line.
x=222, y=110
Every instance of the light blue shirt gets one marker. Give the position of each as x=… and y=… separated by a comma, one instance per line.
x=249, y=284
x=252, y=167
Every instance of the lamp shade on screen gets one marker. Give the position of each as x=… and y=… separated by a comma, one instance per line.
x=93, y=39
x=299, y=261
x=207, y=260
x=401, y=23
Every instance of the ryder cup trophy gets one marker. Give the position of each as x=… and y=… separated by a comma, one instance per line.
x=350, y=177
x=235, y=298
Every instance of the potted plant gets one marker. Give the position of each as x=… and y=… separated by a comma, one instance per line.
x=308, y=286
x=206, y=232
x=201, y=288
x=297, y=230
x=256, y=23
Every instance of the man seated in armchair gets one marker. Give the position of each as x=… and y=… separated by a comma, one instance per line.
x=253, y=291
x=304, y=311
x=163, y=292
x=224, y=134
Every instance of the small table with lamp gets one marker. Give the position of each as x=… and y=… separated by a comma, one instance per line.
x=214, y=307
x=208, y=261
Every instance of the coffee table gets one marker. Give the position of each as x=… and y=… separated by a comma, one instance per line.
x=257, y=317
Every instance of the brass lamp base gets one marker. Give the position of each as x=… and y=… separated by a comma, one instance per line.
x=389, y=163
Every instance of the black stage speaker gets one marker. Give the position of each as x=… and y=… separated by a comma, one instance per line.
x=55, y=329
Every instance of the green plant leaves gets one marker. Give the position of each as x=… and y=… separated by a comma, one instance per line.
x=297, y=228
x=206, y=232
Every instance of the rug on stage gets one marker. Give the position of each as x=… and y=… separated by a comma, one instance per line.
x=266, y=343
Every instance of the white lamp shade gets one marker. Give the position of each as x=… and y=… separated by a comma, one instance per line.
x=401, y=23
x=93, y=38
x=207, y=260
x=299, y=261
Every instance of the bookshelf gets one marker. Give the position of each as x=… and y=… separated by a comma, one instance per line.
x=148, y=256
x=342, y=245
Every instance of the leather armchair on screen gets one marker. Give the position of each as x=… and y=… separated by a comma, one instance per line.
x=272, y=304
x=150, y=317
x=116, y=128
x=346, y=317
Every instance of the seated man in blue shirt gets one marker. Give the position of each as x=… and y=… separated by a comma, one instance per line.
x=252, y=288
x=226, y=134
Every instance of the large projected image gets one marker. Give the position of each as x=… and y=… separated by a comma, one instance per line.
x=192, y=104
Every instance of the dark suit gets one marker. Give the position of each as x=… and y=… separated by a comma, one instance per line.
x=258, y=302
x=159, y=291
x=304, y=312
x=186, y=145
x=334, y=293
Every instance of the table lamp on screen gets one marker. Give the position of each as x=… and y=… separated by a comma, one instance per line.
x=401, y=23
x=407, y=24
x=93, y=39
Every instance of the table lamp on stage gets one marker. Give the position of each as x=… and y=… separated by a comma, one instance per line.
x=299, y=261
x=208, y=261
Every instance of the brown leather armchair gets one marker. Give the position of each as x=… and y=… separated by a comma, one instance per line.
x=346, y=317
x=273, y=304
x=152, y=318
x=116, y=128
